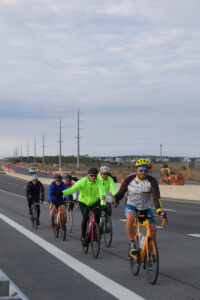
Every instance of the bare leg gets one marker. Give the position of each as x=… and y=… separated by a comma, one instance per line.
x=130, y=229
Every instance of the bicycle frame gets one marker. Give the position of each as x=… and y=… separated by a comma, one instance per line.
x=146, y=224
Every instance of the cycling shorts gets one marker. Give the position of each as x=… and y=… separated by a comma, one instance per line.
x=147, y=212
x=58, y=203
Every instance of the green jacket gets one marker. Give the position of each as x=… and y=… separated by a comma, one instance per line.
x=108, y=184
x=89, y=191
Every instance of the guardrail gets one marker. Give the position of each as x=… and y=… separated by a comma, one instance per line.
x=8, y=290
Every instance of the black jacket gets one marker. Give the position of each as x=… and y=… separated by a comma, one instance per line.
x=35, y=190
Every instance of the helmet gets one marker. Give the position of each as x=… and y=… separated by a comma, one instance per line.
x=143, y=162
x=58, y=177
x=68, y=176
x=105, y=169
x=93, y=171
x=34, y=177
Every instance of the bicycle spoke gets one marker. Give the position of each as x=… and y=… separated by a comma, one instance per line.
x=152, y=264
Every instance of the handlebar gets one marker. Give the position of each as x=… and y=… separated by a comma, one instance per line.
x=164, y=219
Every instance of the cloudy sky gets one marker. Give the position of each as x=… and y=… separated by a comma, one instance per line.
x=132, y=68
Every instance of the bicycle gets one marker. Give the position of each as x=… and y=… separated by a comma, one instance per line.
x=148, y=252
x=34, y=218
x=59, y=223
x=105, y=227
x=70, y=216
x=92, y=234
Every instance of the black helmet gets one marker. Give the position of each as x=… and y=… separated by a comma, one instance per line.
x=58, y=177
x=68, y=176
x=93, y=171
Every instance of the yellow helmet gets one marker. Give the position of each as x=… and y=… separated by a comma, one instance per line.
x=143, y=162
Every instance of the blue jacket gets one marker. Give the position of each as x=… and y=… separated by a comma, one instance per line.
x=54, y=187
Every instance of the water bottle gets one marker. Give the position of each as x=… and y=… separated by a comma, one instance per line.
x=141, y=240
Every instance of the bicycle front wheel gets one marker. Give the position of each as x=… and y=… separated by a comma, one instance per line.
x=34, y=218
x=152, y=262
x=95, y=240
x=135, y=259
x=63, y=227
x=69, y=220
x=56, y=227
x=107, y=231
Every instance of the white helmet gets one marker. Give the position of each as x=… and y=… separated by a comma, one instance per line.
x=34, y=177
x=105, y=169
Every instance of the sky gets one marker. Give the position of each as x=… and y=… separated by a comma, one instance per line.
x=131, y=67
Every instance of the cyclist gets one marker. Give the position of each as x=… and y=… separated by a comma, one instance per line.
x=109, y=184
x=56, y=197
x=140, y=188
x=35, y=193
x=90, y=188
x=69, y=183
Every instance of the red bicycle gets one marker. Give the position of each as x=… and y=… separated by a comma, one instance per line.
x=93, y=235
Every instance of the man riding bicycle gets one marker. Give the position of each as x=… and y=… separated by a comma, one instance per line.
x=109, y=184
x=91, y=188
x=69, y=183
x=35, y=193
x=139, y=189
x=56, y=196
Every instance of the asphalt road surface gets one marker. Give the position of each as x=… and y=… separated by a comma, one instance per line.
x=45, y=267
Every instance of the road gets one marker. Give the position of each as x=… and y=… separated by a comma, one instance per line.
x=41, y=270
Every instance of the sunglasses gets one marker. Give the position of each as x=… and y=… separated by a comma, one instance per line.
x=58, y=180
x=68, y=180
x=106, y=174
x=92, y=175
x=143, y=170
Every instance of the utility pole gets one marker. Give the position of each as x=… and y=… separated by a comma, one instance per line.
x=27, y=151
x=35, y=151
x=78, y=141
x=161, y=151
x=60, y=146
x=43, y=146
x=21, y=154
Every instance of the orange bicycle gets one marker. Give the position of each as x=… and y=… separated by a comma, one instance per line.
x=146, y=253
x=59, y=223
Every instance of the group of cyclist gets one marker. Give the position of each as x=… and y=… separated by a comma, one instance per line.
x=91, y=192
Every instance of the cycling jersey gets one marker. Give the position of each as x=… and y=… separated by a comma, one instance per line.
x=55, y=188
x=140, y=192
x=89, y=191
x=35, y=190
x=108, y=184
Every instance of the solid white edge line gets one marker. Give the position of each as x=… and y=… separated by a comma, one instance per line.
x=194, y=234
x=12, y=194
x=105, y=283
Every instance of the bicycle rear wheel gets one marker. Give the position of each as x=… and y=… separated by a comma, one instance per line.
x=63, y=227
x=69, y=220
x=95, y=240
x=107, y=231
x=152, y=264
x=135, y=260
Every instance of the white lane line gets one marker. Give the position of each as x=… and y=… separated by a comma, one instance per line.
x=105, y=283
x=195, y=234
x=12, y=194
x=123, y=220
x=168, y=209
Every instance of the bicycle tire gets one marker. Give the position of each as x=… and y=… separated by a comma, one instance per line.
x=63, y=227
x=55, y=227
x=135, y=260
x=152, y=264
x=34, y=218
x=95, y=240
x=69, y=220
x=107, y=231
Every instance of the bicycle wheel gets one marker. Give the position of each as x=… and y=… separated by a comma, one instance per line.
x=135, y=260
x=95, y=240
x=152, y=264
x=56, y=227
x=107, y=231
x=63, y=227
x=69, y=220
x=34, y=218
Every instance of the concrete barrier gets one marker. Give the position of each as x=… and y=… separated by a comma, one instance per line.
x=184, y=192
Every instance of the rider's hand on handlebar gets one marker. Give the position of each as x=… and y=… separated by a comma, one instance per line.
x=162, y=214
